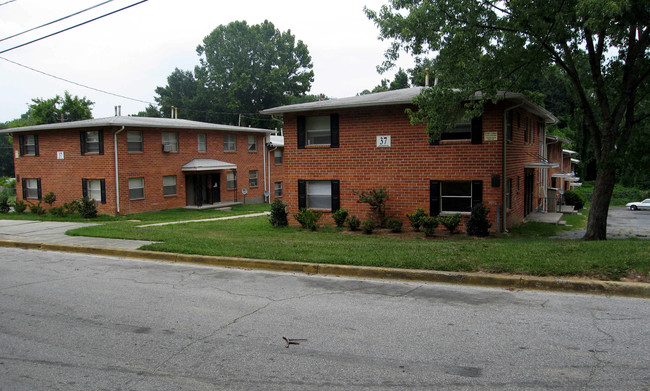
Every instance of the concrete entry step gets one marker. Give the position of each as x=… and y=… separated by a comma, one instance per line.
x=549, y=218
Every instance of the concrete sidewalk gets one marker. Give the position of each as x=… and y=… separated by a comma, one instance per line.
x=49, y=232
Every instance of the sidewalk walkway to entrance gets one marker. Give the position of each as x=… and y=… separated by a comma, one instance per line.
x=205, y=220
x=51, y=232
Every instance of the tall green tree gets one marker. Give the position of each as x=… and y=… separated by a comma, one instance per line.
x=401, y=80
x=486, y=45
x=243, y=69
x=58, y=109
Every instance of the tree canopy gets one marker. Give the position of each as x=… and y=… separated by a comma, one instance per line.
x=58, y=109
x=243, y=69
x=601, y=46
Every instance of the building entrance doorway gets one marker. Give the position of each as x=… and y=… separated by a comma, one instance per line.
x=202, y=189
x=529, y=182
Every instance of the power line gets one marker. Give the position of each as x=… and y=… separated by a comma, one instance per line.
x=7, y=2
x=75, y=26
x=75, y=83
x=55, y=21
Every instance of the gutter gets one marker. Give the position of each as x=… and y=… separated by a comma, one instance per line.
x=503, y=165
x=117, y=172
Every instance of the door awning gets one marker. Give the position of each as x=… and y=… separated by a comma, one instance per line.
x=207, y=165
x=539, y=161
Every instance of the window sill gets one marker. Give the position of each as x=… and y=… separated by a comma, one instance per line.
x=136, y=152
x=453, y=213
x=318, y=146
x=454, y=142
x=170, y=195
x=230, y=151
x=136, y=199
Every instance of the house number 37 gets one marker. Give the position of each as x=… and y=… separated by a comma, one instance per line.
x=383, y=141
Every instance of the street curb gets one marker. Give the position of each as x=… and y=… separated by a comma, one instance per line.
x=477, y=279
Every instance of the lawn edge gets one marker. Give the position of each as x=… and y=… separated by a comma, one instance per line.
x=506, y=281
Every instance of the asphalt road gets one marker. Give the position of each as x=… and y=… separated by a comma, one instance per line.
x=622, y=223
x=81, y=322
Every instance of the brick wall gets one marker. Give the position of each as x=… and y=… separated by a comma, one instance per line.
x=406, y=168
x=64, y=177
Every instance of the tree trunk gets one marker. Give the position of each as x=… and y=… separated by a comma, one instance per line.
x=597, y=223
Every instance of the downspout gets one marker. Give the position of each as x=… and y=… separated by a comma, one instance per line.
x=117, y=172
x=264, y=157
x=270, y=151
x=503, y=165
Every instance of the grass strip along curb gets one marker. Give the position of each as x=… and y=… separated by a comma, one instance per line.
x=618, y=288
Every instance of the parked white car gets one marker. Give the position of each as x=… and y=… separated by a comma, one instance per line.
x=645, y=204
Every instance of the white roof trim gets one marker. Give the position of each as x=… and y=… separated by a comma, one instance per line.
x=396, y=97
x=196, y=165
x=137, y=122
x=569, y=152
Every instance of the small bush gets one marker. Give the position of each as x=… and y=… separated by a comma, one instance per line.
x=49, y=198
x=87, y=208
x=575, y=199
x=368, y=226
x=4, y=203
x=478, y=224
x=377, y=199
x=451, y=222
x=72, y=207
x=308, y=218
x=416, y=218
x=395, y=225
x=353, y=223
x=20, y=207
x=279, y=214
x=58, y=211
x=37, y=209
x=429, y=225
x=339, y=217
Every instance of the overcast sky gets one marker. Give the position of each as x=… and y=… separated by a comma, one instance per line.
x=132, y=52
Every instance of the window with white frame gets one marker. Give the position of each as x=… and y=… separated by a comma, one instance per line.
x=92, y=188
x=319, y=194
x=456, y=196
x=277, y=155
x=252, y=143
x=318, y=130
x=134, y=141
x=136, y=188
x=32, y=188
x=278, y=189
x=252, y=178
x=28, y=145
x=170, y=141
x=169, y=185
x=201, y=139
x=91, y=142
x=231, y=180
x=229, y=143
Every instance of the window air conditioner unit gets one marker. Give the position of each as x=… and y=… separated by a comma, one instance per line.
x=167, y=148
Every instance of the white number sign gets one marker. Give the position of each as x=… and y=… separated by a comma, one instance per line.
x=383, y=141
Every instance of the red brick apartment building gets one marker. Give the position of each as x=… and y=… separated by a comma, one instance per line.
x=563, y=176
x=137, y=164
x=336, y=147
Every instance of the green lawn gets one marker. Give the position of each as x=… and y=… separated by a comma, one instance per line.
x=526, y=249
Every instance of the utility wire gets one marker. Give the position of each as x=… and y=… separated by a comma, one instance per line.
x=7, y=2
x=55, y=21
x=75, y=83
x=75, y=26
